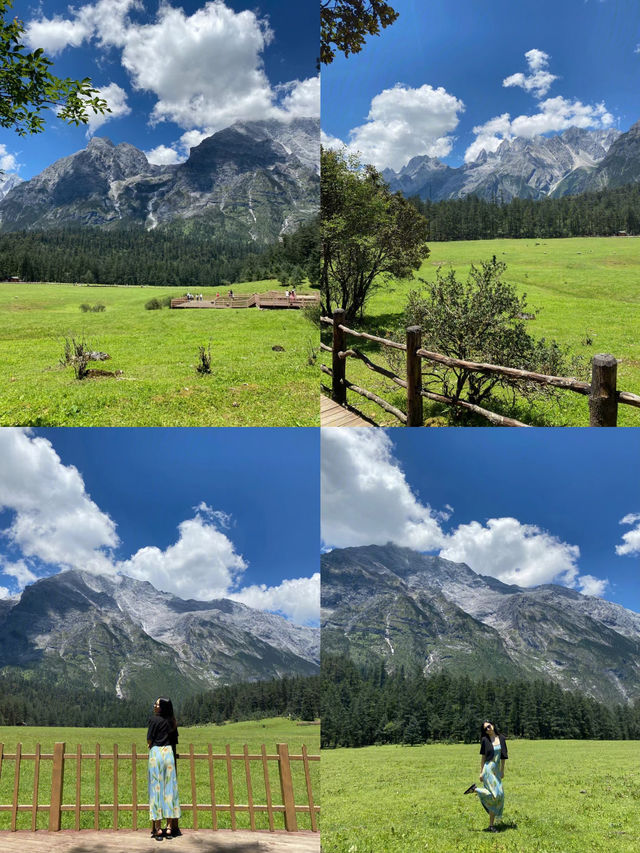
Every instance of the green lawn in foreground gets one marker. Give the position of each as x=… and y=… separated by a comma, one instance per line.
x=583, y=286
x=560, y=796
x=250, y=384
x=268, y=731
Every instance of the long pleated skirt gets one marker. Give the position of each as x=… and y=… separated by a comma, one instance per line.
x=163, y=784
x=491, y=792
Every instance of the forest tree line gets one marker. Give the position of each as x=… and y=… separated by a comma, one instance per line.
x=596, y=214
x=34, y=702
x=361, y=707
x=164, y=258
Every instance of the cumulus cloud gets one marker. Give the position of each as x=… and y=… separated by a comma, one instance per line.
x=202, y=563
x=162, y=155
x=55, y=525
x=404, y=123
x=553, y=115
x=297, y=599
x=539, y=79
x=8, y=161
x=513, y=552
x=116, y=99
x=592, y=586
x=631, y=539
x=366, y=499
x=54, y=519
x=300, y=98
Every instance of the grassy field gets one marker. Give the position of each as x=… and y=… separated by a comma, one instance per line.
x=585, y=288
x=560, y=797
x=157, y=352
x=268, y=731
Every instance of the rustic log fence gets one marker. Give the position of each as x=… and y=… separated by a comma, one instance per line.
x=248, y=764
x=602, y=392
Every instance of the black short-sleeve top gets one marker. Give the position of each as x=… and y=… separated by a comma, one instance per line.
x=159, y=731
x=486, y=748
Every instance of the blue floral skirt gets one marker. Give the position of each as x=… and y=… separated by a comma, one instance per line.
x=163, y=784
x=491, y=793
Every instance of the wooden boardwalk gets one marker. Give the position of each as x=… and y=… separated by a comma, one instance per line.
x=333, y=415
x=127, y=841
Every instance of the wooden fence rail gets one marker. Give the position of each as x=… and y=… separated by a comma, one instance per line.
x=602, y=392
x=61, y=761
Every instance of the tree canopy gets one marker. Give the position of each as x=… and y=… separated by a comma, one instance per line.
x=27, y=86
x=345, y=24
x=368, y=233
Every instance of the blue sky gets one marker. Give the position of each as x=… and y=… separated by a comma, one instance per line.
x=526, y=506
x=202, y=513
x=172, y=72
x=451, y=60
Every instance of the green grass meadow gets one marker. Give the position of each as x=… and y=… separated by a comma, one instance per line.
x=560, y=797
x=268, y=731
x=157, y=352
x=585, y=288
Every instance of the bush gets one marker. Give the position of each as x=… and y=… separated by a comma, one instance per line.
x=204, y=360
x=153, y=304
x=481, y=320
x=78, y=355
x=99, y=307
x=84, y=307
x=313, y=312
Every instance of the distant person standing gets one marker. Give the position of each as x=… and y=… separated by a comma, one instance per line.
x=493, y=752
x=162, y=735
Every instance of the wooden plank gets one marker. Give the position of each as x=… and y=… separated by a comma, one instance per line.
x=332, y=414
x=212, y=788
x=78, y=785
x=16, y=788
x=232, y=808
x=286, y=786
x=57, y=778
x=115, y=786
x=134, y=785
x=247, y=770
x=96, y=812
x=36, y=784
x=307, y=778
x=194, y=795
x=267, y=787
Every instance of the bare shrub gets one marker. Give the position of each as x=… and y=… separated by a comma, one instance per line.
x=204, y=360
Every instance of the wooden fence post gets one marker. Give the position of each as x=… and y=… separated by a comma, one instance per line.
x=603, y=399
x=338, y=365
x=286, y=786
x=57, y=778
x=414, y=377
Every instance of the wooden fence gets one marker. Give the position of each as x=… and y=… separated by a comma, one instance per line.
x=602, y=392
x=62, y=762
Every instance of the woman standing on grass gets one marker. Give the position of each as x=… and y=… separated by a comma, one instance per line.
x=163, y=783
x=493, y=752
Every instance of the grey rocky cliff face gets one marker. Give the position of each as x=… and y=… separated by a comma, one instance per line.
x=414, y=609
x=524, y=168
x=253, y=180
x=121, y=634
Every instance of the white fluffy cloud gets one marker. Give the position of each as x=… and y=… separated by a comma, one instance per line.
x=404, y=123
x=366, y=499
x=513, y=552
x=56, y=524
x=631, y=539
x=202, y=564
x=116, y=99
x=162, y=155
x=55, y=520
x=298, y=599
x=8, y=161
x=553, y=115
x=539, y=79
x=205, y=69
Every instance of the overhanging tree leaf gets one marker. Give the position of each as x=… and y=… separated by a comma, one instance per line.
x=345, y=24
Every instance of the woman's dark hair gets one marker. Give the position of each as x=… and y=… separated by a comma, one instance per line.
x=482, y=729
x=166, y=708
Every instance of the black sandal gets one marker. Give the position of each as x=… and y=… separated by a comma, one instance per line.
x=471, y=788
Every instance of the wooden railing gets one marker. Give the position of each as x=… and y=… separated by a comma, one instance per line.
x=271, y=299
x=279, y=805
x=602, y=392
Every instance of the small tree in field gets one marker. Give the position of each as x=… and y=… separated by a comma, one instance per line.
x=481, y=320
x=369, y=234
